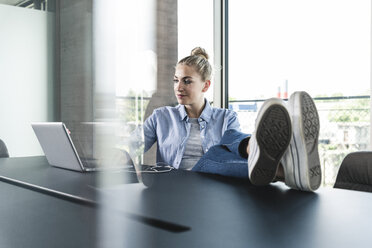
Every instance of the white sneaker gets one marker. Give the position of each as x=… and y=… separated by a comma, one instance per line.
x=269, y=141
x=301, y=162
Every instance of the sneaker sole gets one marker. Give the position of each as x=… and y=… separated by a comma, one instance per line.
x=273, y=136
x=307, y=171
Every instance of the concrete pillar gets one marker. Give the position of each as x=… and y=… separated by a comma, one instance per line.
x=166, y=50
x=74, y=73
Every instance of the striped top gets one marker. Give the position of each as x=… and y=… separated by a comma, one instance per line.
x=193, y=150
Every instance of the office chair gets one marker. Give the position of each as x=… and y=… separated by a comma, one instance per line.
x=355, y=172
x=3, y=150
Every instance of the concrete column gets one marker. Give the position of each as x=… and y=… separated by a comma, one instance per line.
x=166, y=50
x=74, y=59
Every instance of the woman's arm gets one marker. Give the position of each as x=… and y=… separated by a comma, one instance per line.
x=149, y=129
x=233, y=122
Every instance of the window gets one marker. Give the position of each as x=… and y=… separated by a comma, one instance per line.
x=195, y=28
x=322, y=47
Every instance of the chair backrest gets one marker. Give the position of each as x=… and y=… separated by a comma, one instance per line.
x=355, y=172
x=3, y=150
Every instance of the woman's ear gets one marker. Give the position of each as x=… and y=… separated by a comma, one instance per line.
x=207, y=84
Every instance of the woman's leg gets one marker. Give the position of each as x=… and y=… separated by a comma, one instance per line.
x=225, y=158
x=236, y=142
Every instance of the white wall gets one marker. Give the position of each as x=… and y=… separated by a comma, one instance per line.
x=26, y=76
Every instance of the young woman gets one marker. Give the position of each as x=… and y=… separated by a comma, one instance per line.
x=185, y=132
x=193, y=135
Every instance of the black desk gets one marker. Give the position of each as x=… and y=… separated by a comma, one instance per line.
x=227, y=213
x=31, y=219
x=37, y=171
x=220, y=212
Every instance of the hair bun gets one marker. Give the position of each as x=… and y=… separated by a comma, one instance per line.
x=198, y=51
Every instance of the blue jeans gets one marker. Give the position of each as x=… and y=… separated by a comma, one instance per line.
x=224, y=158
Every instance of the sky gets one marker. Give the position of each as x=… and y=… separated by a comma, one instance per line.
x=321, y=46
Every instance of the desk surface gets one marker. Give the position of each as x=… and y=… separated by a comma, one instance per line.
x=220, y=212
x=232, y=213
x=37, y=171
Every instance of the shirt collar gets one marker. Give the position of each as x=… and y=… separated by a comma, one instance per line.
x=205, y=115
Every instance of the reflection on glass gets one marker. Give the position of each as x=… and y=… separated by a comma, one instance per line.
x=130, y=72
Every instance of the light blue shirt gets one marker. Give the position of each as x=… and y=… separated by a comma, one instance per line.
x=170, y=128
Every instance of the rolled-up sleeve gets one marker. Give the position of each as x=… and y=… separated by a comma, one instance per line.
x=233, y=121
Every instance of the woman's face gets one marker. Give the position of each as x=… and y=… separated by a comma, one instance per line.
x=189, y=87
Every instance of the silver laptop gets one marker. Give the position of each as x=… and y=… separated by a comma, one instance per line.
x=60, y=151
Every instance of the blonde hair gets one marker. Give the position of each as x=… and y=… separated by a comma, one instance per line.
x=199, y=61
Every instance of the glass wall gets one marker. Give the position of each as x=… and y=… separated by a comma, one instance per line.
x=322, y=47
x=195, y=29
x=134, y=61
